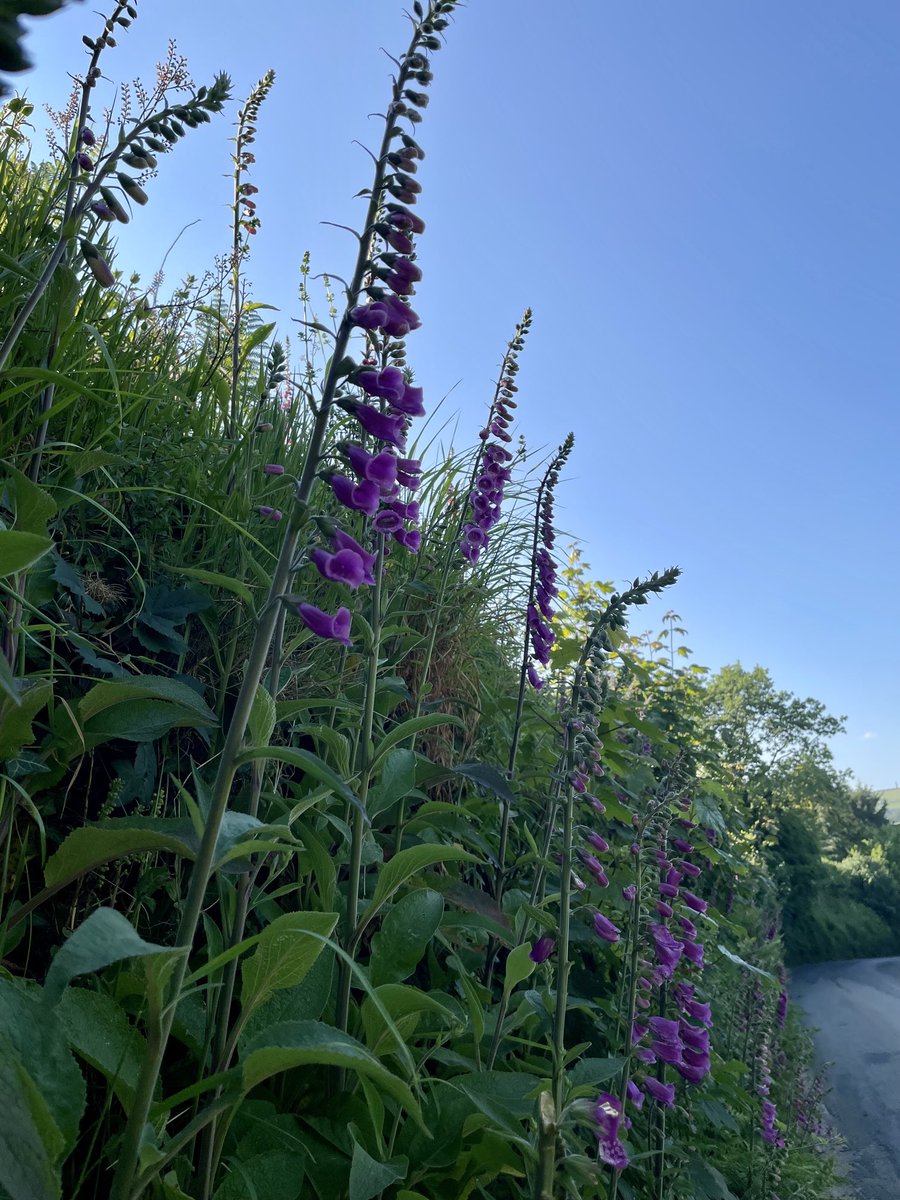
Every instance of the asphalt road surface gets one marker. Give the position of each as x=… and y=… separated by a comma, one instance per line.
x=855, y=1009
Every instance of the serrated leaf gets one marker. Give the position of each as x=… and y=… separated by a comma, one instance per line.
x=285, y=953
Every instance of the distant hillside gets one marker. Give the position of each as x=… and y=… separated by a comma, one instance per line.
x=891, y=797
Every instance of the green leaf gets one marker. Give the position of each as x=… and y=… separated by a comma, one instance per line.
x=214, y=579
x=409, y=729
x=141, y=709
x=98, y=1031
x=285, y=953
x=19, y=550
x=33, y=506
x=503, y=1096
x=256, y=338
x=402, y=867
x=594, y=1071
x=16, y=716
x=104, y=938
x=43, y=1096
x=487, y=777
x=308, y=762
x=398, y=778
x=369, y=1177
x=94, y=845
x=717, y=1114
x=398, y=947
x=274, y=1175
x=302, y=1043
x=708, y=1182
x=518, y=967
x=401, y=1003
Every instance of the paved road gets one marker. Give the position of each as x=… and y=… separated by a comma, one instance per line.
x=855, y=1007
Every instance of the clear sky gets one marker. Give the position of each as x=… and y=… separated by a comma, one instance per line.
x=699, y=200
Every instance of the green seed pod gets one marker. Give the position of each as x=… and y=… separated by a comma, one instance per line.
x=132, y=189
x=155, y=144
x=112, y=200
x=169, y=134
x=97, y=265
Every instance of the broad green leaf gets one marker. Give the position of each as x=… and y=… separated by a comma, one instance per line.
x=8, y=685
x=214, y=579
x=104, y=938
x=98, y=1031
x=42, y=1096
x=304, y=1043
x=403, y=866
x=594, y=1071
x=275, y=1175
x=398, y=778
x=15, y=718
x=398, y=947
x=256, y=338
x=410, y=728
x=33, y=506
x=506, y=1097
x=518, y=967
x=94, y=845
x=110, y=693
x=708, y=1182
x=369, y=1177
x=141, y=709
x=400, y=1002
x=19, y=550
x=487, y=777
x=285, y=953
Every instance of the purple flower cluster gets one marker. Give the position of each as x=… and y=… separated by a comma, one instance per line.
x=768, y=1116
x=543, y=571
x=371, y=480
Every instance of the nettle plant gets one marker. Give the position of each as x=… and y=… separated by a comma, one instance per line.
x=348, y=845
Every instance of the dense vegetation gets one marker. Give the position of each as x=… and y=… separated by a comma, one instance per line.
x=350, y=844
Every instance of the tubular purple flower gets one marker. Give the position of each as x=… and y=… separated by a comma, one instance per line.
x=387, y=384
x=688, y=928
x=663, y=1093
x=361, y=497
x=664, y=910
x=87, y=137
x=700, y=1011
x=402, y=218
x=694, y=902
x=336, y=628
x=688, y=868
x=542, y=948
x=378, y=468
x=370, y=316
x=272, y=514
x=629, y=892
x=410, y=402
x=84, y=161
x=604, y=928
x=381, y=425
x=387, y=521
x=635, y=1095
x=533, y=678
x=346, y=566
x=693, y=952
x=408, y=511
x=599, y=843
x=410, y=538
x=273, y=469
x=343, y=541
x=608, y=1115
x=682, y=846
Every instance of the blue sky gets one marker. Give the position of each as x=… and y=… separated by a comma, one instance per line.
x=699, y=202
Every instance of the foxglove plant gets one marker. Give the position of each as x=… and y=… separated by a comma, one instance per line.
x=385, y=317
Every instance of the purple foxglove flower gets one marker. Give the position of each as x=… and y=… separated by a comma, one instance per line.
x=598, y=842
x=387, y=384
x=402, y=218
x=668, y=889
x=608, y=1115
x=688, y=868
x=271, y=514
x=409, y=402
x=410, y=538
x=273, y=469
x=667, y=1053
x=699, y=1011
x=664, y=910
x=673, y=877
x=635, y=1095
x=682, y=846
x=397, y=240
x=635, y=849
x=387, y=521
x=638, y=1031
x=683, y=994
x=665, y=1029
x=381, y=425
x=664, y=1093
x=533, y=678
x=370, y=316
x=345, y=567
x=642, y=1001
x=688, y=927
x=782, y=1009
x=630, y=891
x=407, y=512
x=542, y=948
x=361, y=497
x=343, y=541
x=693, y=952
x=694, y=902
x=646, y=1055
x=692, y=1074
x=379, y=468
x=401, y=319
x=322, y=625
x=605, y=928
x=694, y=1036
x=597, y=805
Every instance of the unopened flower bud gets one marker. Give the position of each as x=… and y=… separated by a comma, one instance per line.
x=132, y=189
x=87, y=138
x=273, y=469
x=98, y=266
